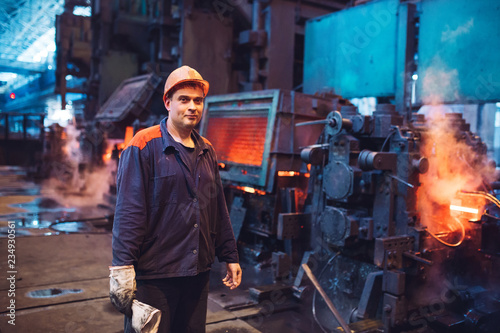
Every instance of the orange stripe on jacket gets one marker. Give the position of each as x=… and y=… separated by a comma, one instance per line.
x=206, y=141
x=142, y=137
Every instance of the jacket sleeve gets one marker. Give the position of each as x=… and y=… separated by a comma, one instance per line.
x=225, y=244
x=130, y=222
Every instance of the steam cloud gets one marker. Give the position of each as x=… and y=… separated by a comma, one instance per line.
x=71, y=186
x=439, y=83
x=452, y=35
x=454, y=166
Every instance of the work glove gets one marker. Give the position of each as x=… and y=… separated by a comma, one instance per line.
x=122, y=288
x=145, y=318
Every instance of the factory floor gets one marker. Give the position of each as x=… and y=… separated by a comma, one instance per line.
x=54, y=272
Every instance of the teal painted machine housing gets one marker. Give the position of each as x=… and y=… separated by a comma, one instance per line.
x=458, y=51
x=368, y=50
x=354, y=51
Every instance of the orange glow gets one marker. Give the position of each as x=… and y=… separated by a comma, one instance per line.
x=288, y=173
x=129, y=134
x=222, y=165
x=464, y=209
x=239, y=140
x=454, y=167
x=110, y=147
x=250, y=190
x=106, y=157
x=292, y=174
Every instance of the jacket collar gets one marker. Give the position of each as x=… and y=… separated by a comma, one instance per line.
x=168, y=140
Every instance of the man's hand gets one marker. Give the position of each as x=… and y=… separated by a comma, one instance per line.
x=233, y=276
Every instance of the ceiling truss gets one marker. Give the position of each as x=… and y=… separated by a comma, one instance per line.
x=23, y=22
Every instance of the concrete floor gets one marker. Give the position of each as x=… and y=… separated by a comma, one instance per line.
x=61, y=272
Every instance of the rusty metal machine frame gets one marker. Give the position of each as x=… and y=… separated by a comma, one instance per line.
x=281, y=151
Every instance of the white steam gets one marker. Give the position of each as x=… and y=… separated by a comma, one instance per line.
x=71, y=182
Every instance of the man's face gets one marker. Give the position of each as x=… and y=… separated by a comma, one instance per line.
x=185, y=108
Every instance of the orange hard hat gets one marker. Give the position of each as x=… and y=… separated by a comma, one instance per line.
x=184, y=74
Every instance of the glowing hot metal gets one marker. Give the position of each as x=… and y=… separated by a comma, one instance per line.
x=464, y=209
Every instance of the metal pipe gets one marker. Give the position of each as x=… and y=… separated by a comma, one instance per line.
x=254, y=57
x=332, y=308
x=256, y=20
x=402, y=181
x=417, y=258
x=313, y=122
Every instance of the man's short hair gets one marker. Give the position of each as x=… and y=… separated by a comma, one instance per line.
x=182, y=85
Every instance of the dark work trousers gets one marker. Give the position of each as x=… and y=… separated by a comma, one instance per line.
x=182, y=301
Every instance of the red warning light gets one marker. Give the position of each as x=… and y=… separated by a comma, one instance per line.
x=12, y=96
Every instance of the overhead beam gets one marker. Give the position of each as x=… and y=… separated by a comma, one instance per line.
x=20, y=68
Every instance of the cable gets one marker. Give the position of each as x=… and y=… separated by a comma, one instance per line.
x=485, y=195
x=449, y=244
x=316, y=292
x=392, y=131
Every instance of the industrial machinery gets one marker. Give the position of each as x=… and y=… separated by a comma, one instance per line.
x=404, y=212
x=21, y=138
x=394, y=212
x=258, y=147
x=400, y=220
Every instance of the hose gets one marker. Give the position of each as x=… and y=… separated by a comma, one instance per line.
x=316, y=292
x=481, y=194
x=450, y=244
x=391, y=133
x=485, y=195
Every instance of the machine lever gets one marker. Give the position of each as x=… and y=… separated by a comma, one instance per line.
x=402, y=181
x=334, y=121
x=332, y=308
x=417, y=258
x=331, y=122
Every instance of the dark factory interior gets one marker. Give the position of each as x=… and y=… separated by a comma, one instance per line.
x=357, y=144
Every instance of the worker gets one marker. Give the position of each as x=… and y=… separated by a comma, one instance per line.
x=171, y=218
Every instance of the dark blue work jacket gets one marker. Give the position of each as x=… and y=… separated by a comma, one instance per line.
x=169, y=221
